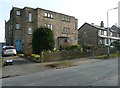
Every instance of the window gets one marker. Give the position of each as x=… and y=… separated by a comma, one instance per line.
x=45, y=14
x=102, y=32
x=63, y=18
x=111, y=34
x=18, y=13
x=66, y=30
x=51, y=27
x=48, y=15
x=105, y=41
x=17, y=26
x=105, y=33
x=100, y=41
x=66, y=19
x=75, y=25
x=51, y=16
x=45, y=25
x=30, y=17
x=48, y=25
x=99, y=32
x=117, y=35
x=29, y=30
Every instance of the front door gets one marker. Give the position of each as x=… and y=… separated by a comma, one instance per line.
x=18, y=45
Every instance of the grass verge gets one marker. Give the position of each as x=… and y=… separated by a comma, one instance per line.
x=114, y=55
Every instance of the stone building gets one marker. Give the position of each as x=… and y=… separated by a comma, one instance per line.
x=23, y=22
x=90, y=34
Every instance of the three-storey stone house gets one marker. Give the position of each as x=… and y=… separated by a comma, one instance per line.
x=23, y=22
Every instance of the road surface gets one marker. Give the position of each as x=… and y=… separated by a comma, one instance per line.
x=101, y=73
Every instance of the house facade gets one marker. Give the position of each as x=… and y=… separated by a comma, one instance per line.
x=97, y=35
x=23, y=22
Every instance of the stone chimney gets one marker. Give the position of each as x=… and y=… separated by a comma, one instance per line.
x=102, y=24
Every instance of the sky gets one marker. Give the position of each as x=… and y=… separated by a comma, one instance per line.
x=90, y=11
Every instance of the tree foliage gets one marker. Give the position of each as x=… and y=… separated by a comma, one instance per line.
x=43, y=39
x=116, y=44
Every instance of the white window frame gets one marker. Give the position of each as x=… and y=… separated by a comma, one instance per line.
x=18, y=13
x=48, y=25
x=99, y=32
x=45, y=25
x=51, y=15
x=30, y=30
x=17, y=26
x=111, y=34
x=105, y=33
x=45, y=14
x=30, y=17
x=51, y=27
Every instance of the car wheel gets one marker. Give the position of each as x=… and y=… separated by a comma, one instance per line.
x=14, y=54
x=3, y=55
x=5, y=63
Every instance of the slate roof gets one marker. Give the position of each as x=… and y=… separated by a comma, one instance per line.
x=112, y=29
x=95, y=26
x=115, y=29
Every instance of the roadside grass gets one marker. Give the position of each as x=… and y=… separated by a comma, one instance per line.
x=60, y=64
x=114, y=55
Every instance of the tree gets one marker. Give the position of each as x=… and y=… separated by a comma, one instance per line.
x=116, y=44
x=43, y=39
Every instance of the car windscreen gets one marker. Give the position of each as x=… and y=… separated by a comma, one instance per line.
x=9, y=48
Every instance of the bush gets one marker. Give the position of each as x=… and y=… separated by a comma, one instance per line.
x=74, y=47
x=35, y=56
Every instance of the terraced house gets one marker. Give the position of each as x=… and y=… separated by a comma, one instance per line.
x=24, y=21
x=96, y=35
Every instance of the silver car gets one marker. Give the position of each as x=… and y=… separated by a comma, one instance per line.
x=9, y=50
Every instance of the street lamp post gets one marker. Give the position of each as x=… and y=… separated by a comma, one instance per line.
x=108, y=50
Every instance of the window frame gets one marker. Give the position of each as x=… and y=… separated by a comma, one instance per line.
x=30, y=31
x=17, y=26
x=18, y=13
x=51, y=16
x=46, y=14
x=30, y=17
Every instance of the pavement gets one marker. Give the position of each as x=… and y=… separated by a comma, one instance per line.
x=22, y=66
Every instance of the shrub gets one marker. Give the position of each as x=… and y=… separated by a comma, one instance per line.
x=35, y=56
x=74, y=47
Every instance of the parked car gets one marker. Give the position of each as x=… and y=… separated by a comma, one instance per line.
x=9, y=50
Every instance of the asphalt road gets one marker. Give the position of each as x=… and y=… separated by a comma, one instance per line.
x=101, y=73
